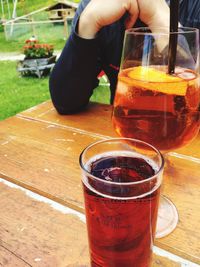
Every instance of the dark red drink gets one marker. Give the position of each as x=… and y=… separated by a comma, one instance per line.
x=121, y=220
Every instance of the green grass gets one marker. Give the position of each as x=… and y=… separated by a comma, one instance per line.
x=9, y=46
x=20, y=93
x=46, y=33
x=17, y=93
x=27, y=6
x=101, y=94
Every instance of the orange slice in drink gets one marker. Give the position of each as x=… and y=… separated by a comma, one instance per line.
x=155, y=80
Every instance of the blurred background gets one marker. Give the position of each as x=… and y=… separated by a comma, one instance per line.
x=27, y=30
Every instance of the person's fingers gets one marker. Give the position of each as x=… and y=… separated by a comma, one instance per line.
x=131, y=7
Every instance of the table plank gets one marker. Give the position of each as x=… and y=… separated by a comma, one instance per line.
x=44, y=234
x=44, y=158
x=7, y=258
x=96, y=119
x=39, y=234
x=182, y=186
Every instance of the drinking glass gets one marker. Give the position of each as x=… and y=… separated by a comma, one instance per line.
x=121, y=183
x=154, y=106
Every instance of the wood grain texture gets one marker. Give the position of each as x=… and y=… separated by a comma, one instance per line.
x=42, y=155
x=43, y=158
x=182, y=186
x=10, y=259
x=41, y=236
x=96, y=119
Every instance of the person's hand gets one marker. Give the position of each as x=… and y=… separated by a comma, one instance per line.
x=154, y=13
x=99, y=13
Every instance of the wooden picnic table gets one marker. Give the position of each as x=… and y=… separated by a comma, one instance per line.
x=42, y=220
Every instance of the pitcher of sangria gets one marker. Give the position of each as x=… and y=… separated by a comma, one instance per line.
x=154, y=106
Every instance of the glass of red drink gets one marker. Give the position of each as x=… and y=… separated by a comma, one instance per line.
x=154, y=106
x=121, y=183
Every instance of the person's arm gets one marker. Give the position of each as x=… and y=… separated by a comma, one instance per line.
x=75, y=74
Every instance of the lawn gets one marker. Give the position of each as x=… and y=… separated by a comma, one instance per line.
x=47, y=33
x=27, y=6
x=51, y=33
x=19, y=93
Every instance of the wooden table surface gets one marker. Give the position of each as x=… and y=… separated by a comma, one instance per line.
x=42, y=219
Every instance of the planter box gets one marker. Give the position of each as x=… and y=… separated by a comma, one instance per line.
x=36, y=67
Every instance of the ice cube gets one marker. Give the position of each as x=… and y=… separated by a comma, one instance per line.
x=186, y=75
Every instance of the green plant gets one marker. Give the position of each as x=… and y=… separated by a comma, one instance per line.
x=33, y=49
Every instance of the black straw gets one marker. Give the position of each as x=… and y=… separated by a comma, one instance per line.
x=174, y=16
